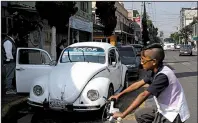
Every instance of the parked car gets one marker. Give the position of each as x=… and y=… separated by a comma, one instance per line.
x=178, y=46
x=128, y=57
x=185, y=50
x=138, y=48
x=84, y=74
x=169, y=46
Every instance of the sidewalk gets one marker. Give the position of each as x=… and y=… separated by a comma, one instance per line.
x=10, y=105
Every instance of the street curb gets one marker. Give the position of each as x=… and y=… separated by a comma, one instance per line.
x=6, y=108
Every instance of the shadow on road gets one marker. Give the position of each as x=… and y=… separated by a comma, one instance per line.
x=188, y=55
x=175, y=62
x=186, y=74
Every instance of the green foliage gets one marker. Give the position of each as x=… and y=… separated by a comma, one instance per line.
x=135, y=13
x=145, y=33
x=161, y=33
x=56, y=12
x=25, y=20
x=187, y=30
x=106, y=12
x=175, y=37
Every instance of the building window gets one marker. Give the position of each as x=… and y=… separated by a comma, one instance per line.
x=84, y=6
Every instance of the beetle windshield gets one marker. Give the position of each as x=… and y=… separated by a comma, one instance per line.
x=83, y=54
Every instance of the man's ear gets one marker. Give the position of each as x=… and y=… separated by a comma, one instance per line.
x=154, y=62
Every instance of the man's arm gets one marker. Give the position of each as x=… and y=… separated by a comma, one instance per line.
x=157, y=86
x=8, y=49
x=138, y=101
x=132, y=87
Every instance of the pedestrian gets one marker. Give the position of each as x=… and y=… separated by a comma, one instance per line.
x=60, y=47
x=75, y=41
x=9, y=59
x=163, y=85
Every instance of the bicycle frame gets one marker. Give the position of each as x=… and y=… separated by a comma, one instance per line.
x=110, y=109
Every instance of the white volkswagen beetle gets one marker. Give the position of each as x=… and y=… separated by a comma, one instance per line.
x=85, y=73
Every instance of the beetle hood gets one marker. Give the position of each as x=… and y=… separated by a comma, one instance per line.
x=67, y=81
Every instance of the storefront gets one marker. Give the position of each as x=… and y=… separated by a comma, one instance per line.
x=81, y=29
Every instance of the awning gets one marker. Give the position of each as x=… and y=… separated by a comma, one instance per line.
x=78, y=24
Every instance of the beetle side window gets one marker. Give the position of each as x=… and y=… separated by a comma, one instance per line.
x=112, y=56
x=34, y=57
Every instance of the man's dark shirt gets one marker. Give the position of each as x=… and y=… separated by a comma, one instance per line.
x=157, y=85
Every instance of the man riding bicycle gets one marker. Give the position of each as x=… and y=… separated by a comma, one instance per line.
x=163, y=85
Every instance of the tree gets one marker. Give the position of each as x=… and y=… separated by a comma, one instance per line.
x=25, y=20
x=153, y=31
x=161, y=34
x=106, y=13
x=187, y=30
x=145, y=34
x=57, y=14
x=175, y=37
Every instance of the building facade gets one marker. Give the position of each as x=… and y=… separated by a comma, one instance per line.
x=81, y=25
x=187, y=15
x=123, y=28
x=136, y=25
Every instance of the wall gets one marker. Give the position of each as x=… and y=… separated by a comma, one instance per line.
x=186, y=16
x=189, y=14
x=84, y=15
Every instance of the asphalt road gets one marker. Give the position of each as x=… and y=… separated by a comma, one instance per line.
x=185, y=68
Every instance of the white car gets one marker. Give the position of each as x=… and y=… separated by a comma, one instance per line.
x=85, y=73
x=169, y=46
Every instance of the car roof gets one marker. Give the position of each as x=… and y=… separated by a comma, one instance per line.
x=125, y=46
x=103, y=45
x=139, y=45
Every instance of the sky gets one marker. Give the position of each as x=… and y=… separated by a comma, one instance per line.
x=165, y=15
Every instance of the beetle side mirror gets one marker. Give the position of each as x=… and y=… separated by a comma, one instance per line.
x=53, y=63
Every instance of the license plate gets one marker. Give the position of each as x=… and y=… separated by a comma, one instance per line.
x=185, y=52
x=57, y=103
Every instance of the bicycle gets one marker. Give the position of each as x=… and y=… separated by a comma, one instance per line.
x=109, y=110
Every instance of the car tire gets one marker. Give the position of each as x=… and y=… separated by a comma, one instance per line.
x=191, y=54
x=126, y=81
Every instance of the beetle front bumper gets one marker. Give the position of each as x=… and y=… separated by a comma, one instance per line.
x=69, y=107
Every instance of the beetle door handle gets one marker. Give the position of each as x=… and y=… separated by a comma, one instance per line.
x=20, y=69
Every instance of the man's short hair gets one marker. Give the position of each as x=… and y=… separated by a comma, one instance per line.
x=158, y=51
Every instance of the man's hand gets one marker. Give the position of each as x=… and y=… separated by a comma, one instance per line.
x=118, y=114
x=114, y=97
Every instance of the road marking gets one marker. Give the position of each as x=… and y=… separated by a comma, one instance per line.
x=186, y=63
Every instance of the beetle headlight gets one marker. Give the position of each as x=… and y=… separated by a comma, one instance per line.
x=38, y=90
x=93, y=95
